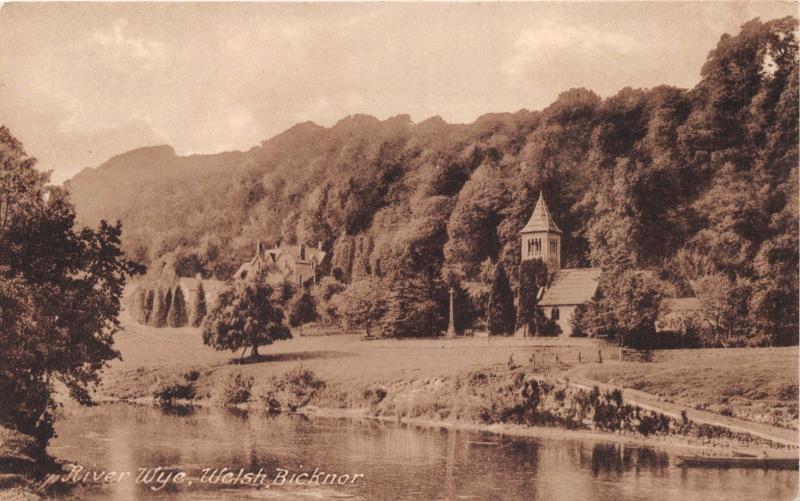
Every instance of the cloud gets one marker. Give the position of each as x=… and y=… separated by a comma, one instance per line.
x=150, y=53
x=553, y=40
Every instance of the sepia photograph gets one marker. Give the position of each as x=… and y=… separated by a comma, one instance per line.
x=406, y=250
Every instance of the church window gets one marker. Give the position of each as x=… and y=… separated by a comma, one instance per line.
x=554, y=314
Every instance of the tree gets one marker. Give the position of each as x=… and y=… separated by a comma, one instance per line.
x=532, y=278
x=415, y=307
x=199, y=310
x=160, y=309
x=327, y=288
x=626, y=307
x=60, y=292
x=500, y=311
x=246, y=315
x=148, y=306
x=177, y=316
x=302, y=309
x=361, y=304
x=138, y=303
x=724, y=306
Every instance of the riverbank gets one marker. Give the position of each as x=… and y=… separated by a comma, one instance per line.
x=485, y=383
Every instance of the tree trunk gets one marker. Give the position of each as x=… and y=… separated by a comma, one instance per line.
x=254, y=352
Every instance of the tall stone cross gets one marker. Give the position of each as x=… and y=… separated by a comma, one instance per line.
x=451, y=327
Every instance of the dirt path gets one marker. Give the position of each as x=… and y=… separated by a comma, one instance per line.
x=654, y=403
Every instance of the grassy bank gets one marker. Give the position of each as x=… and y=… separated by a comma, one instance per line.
x=759, y=385
x=476, y=381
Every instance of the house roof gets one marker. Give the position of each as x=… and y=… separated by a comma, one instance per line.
x=311, y=253
x=571, y=286
x=541, y=220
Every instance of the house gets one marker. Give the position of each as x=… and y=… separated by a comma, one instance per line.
x=568, y=287
x=296, y=263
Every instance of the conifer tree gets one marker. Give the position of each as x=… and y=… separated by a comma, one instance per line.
x=177, y=316
x=150, y=298
x=160, y=309
x=500, y=311
x=137, y=304
x=532, y=277
x=199, y=310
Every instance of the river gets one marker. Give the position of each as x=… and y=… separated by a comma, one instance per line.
x=397, y=461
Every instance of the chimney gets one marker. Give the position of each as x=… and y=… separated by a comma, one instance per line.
x=260, y=248
x=319, y=245
x=302, y=252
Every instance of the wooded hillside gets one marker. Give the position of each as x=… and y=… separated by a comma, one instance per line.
x=687, y=182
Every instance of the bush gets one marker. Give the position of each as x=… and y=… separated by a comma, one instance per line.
x=174, y=388
x=293, y=390
x=374, y=395
x=237, y=390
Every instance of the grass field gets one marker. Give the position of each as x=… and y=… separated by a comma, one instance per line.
x=754, y=384
x=757, y=384
x=147, y=351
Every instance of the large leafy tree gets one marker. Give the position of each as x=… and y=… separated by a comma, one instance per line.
x=246, y=315
x=625, y=308
x=60, y=290
x=361, y=304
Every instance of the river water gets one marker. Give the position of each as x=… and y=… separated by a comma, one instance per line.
x=397, y=461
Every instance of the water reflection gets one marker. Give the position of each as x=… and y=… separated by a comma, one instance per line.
x=399, y=461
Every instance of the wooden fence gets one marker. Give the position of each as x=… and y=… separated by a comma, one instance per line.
x=631, y=355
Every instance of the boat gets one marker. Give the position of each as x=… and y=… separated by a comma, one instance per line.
x=771, y=463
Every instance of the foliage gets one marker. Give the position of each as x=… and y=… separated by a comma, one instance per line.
x=174, y=387
x=238, y=389
x=626, y=307
x=60, y=291
x=532, y=278
x=200, y=309
x=415, y=307
x=323, y=295
x=723, y=307
x=292, y=390
x=689, y=182
x=302, y=309
x=177, y=316
x=500, y=312
x=160, y=309
x=361, y=304
x=245, y=315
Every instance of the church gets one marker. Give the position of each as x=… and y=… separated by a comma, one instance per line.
x=567, y=287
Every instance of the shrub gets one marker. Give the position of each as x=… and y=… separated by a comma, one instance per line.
x=374, y=395
x=237, y=390
x=173, y=388
x=293, y=390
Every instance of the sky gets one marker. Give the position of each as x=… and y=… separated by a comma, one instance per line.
x=81, y=82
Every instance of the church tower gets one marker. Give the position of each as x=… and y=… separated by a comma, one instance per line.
x=541, y=238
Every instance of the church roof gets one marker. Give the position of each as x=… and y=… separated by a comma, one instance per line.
x=571, y=286
x=541, y=220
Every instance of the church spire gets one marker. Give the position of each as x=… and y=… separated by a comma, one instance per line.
x=541, y=220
